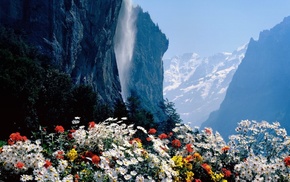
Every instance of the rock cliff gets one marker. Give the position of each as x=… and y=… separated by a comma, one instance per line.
x=77, y=34
x=147, y=66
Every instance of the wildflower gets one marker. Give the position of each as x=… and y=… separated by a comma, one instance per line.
x=136, y=142
x=152, y=131
x=47, y=163
x=189, y=176
x=162, y=136
x=25, y=177
x=72, y=154
x=59, y=154
x=189, y=147
x=70, y=134
x=227, y=173
x=14, y=137
x=206, y=167
x=95, y=159
x=197, y=156
x=287, y=161
x=225, y=148
x=92, y=124
x=188, y=158
x=59, y=129
x=19, y=165
x=208, y=131
x=176, y=143
x=216, y=176
x=177, y=160
x=148, y=139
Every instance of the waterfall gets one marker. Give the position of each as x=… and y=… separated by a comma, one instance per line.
x=124, y=44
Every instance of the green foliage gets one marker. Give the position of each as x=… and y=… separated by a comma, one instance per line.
x=138, y=115
x=172, y=116
x=83, y=102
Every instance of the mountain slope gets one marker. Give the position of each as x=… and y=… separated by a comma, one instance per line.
x=260, y=88
x=198, y=85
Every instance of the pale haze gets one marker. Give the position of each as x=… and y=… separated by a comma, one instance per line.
x=207, y=27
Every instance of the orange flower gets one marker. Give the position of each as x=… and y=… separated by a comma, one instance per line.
x=92, y=124
x=227, y=173
x=47, y=163
x=96, y=159
x=197, y=156
x=188, y=158
x=59, y=129
x=162, y=136
x=189, y=147
x=287, y=161
x=225, y=148
x=206, y=167
x=176, y=143
x=19, y=165
x=152, y=131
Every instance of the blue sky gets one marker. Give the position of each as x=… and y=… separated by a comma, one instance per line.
x=207, y=27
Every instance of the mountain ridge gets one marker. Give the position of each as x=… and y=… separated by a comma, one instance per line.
x=197, y=84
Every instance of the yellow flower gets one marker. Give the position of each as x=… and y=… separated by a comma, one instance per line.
x=178, y=160
x=188, y=166
x=189, y=175
x=216, y=177
x=72, y=154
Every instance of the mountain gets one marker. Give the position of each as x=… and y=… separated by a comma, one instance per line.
x=197, y=85
x=260, y=88
x=78, y=37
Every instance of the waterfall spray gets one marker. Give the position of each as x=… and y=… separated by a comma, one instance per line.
x=124, y=44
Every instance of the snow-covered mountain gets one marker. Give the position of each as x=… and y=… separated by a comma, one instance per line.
x=197, y=85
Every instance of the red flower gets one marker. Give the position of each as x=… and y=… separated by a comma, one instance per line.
x=14, y=137
x=96, y=159
x=19, y=165
x=59, y=155
x=148, y=139
x=69, y=135
x=189, y=147
x=163, y=136
x=227, y=173
x=176, y=143
x=198, y=180
x=47, y=163
x=92, y=124
x=76, y=178
x=59, y=129
x=208, y=131
x=287, y=161
x=152, y=131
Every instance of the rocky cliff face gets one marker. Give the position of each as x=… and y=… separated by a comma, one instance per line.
x=147, y=66
x=260, y=88
x=77, y=34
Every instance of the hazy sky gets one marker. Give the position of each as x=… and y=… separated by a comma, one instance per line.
x=207, y=27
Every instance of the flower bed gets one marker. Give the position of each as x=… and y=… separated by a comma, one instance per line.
x=110, y=151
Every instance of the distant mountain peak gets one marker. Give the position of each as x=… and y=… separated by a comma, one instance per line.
x=196, y=84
